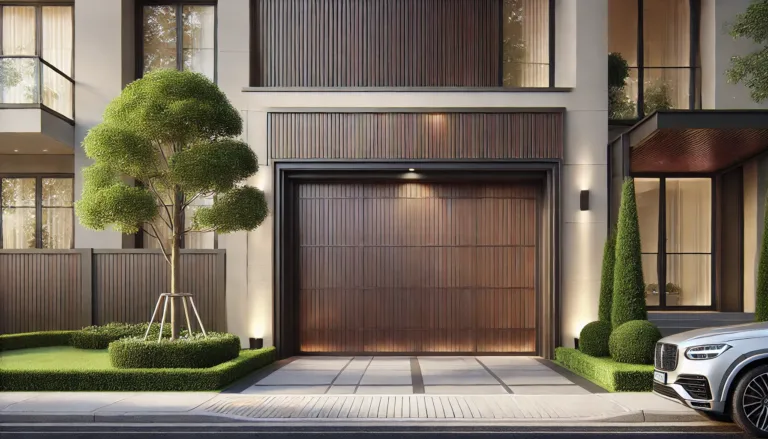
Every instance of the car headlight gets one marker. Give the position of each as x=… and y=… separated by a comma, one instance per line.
x=706, y=352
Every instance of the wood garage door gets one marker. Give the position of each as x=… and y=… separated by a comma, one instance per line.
x=404, y=267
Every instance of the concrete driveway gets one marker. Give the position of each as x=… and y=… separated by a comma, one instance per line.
x=418, y=375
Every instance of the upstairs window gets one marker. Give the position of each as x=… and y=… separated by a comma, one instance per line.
x=179, y=36
x=667, y=75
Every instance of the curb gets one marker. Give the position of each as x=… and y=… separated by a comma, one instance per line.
x=632, y=417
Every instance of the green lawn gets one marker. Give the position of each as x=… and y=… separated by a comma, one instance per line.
x=55, y=358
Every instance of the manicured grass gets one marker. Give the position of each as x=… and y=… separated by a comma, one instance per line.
x=606, y=373
x=55, y=358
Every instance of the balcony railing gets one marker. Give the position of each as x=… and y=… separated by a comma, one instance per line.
x=31, y=80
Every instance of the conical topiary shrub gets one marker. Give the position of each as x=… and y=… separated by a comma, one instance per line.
x=606, y=279
x=761, y=293
x=628, y=285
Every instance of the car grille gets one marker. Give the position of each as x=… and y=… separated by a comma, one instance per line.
x=667, y=391
x=665, y=357
x=696, y=385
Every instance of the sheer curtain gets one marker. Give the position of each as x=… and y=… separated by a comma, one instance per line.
x=666, y=43
x=57, y=50
x=18, y=210
x=18, y=80
x=198, y=39
x=526, y=43
x=58, y=226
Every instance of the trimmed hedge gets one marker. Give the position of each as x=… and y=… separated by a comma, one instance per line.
x=606, y=278
x=138, y=380
x=195, y=352
x=633, y=342
x=628, y=285
x=761, y=292
x=28, y=340
x=593, y=339
x=606, y=373
x=99, y=337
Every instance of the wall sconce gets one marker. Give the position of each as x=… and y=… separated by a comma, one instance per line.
x=256, y=343
x=576, y=342
x=584, y=200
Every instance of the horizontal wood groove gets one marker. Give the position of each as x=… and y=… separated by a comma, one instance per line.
x=416, y=135
x=70, y=289
x=445, y=268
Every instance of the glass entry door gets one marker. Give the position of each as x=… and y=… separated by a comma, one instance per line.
x=678, y=262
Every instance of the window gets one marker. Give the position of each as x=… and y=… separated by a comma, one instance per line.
x=179, y=36
x=37, y=212
x=667, y=75
x=677, y=264
x=36, y=48
x=525, y=44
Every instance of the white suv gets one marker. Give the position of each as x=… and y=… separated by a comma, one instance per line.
x=719, y=371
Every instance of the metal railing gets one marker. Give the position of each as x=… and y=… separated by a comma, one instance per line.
x=30, y=80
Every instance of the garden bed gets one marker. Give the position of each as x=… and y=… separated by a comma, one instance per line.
x=606, y=373
x=44, y=362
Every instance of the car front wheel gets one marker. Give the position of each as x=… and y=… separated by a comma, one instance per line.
x=749, y=407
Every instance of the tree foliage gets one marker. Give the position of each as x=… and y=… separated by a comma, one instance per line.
x=628, y=285
x=752, y=69
x=174, y=134
x=606, y=278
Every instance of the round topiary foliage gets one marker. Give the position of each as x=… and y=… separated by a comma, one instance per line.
x=593, y=339
x=194, y=351
x=633, y=342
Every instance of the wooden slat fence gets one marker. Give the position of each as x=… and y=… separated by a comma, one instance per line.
x=68, y=289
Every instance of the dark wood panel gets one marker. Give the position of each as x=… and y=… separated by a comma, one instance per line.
x=406, y=267
x=416, y=135
x=729, y=250
x=41, y=291
x=371, y=43
x=127, y=285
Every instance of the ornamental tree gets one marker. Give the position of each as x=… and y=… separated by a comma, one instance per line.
x=606, y=278
x=174, y=134
x=628, y=284
x=751, y=69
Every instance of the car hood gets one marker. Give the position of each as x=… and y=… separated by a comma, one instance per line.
x=719, y=334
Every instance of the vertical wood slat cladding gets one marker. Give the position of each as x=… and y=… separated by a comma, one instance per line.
x=416, y=135
x=58, y=290
x=127, y=286
x=378, y=43
x=42, y=292
x=408, y=267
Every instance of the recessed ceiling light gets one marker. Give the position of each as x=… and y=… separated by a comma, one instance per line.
x=45, y=150
x=411, y=170
x=15, y=150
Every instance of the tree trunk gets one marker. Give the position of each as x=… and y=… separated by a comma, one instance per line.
x=178, y=230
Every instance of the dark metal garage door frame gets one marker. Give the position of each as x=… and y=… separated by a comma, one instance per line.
x=288, y=173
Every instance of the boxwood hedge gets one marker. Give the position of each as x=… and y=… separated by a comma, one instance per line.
x=28, y=340
x=208, y=379
x=612, y=376
x=99, y=337
x=193, y=352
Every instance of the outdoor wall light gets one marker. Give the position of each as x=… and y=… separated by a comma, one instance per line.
x=584, y=200
x=256, y=343
x=576, y=342
x=411, y=170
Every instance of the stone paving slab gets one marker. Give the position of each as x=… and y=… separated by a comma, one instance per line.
x=465, y=390
x=549, y=390
x=286, y=390
x=296, y=377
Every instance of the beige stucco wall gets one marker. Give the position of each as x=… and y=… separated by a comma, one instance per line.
x=37, y=163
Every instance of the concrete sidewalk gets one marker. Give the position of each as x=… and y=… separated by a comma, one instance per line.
x=208, y=407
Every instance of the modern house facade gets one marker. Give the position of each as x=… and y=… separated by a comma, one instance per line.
x=442, y=174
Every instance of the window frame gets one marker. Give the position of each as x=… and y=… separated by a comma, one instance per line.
x=39, y=205
x=661, y=246
x=179, y=7
x=694, y=37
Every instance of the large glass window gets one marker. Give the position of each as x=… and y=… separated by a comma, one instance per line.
x=36, y=66
x=179, y=36
x=666, y=75
x=37, y=212
x=677, y=266
x=526, y=43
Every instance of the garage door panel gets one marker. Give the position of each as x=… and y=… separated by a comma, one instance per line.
x=417, y=268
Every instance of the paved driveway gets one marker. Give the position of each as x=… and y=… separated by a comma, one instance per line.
x=417, y=375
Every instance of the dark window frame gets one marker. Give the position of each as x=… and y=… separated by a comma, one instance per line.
x=39, y=204
x=661, y=246
x=694, y=57
x=179, y=7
